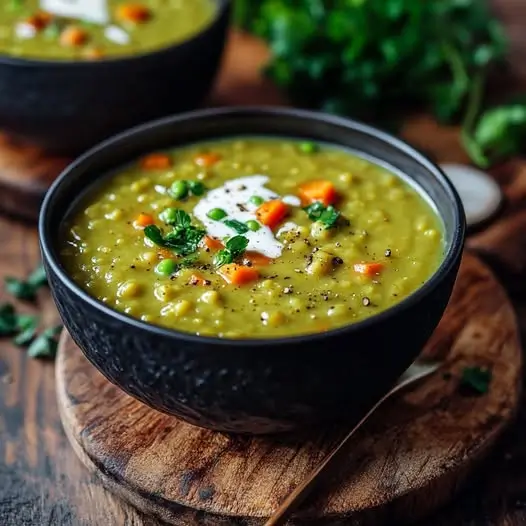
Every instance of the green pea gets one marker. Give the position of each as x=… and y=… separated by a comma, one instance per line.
x=256, y=200
x=166, y=267
x=309, y=147
x=179, y=190
x=216, y=214
x=253, y=225
x=169, y=216
x=197, y=188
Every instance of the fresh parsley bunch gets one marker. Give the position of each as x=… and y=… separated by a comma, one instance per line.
x=370, y=58
x=375, y=60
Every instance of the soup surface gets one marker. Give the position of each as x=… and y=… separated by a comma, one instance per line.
x=134, y=28
x=252, y=238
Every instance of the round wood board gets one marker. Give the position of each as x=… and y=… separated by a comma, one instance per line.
x=413, y=455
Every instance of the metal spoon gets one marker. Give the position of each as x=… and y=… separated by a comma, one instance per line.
x=417, y=371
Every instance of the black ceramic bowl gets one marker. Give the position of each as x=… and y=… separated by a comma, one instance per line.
x=69, y=106
x=252, y=386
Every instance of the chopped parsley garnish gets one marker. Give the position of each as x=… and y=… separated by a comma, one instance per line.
x=26, y=289
x=184, y=239
x=45, y=345
x=328, y=215
x=238, y=226
x=477, y=379
x=234, y=248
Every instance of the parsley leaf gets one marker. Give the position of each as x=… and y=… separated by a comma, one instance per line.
x=19, y=288
x=45, y=345
x=327, y=215
x=26, y=289
x=8, y=321
x=38, y=277
x=234, y=248
x=476, y=379
x=184, y=239
x=236, y=225
x=27, y=325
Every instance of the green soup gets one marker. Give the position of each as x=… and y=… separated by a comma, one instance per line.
x=134, y=28
x=252, y=238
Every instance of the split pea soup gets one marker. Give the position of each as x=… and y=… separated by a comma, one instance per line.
x=132, y=28
x=252, y=238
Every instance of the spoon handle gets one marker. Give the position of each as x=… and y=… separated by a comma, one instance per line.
x=291, y=503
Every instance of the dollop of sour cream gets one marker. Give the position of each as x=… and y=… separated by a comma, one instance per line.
x=234, y=198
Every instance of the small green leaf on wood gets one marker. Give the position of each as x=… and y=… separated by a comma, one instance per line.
x=476, y=379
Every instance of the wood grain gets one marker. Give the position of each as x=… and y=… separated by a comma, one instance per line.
x=415, y=454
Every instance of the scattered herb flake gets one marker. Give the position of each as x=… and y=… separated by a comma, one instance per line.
x=238, y=226
x=328, y=215
x=477, y=379
x=8, y=321
x=45, y=345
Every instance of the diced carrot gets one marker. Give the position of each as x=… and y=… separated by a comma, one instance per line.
x=323, y=191
x=368, y=269
x=93, y=53
x=207, y=160
x=323, y=327
x=256, y=259
x=39, y=20
x=213, y=244
x=143, y=220
x=238, y=274
x=156, y=161
x=164, y=253
x=73, y=36
x=136, y=13
x=271, y=213
x=197, y=279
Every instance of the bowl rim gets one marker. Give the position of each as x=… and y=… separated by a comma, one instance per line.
x=222, y=8
x=449, y=261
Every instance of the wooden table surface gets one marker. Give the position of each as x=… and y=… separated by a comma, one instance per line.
x=43, y=483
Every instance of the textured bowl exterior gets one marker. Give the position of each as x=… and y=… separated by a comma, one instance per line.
x=252, y=386
x=67, y=107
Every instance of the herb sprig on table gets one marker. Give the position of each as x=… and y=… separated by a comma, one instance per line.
x=24, y=327
x=376, y=60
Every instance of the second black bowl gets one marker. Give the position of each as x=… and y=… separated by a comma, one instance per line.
x=253, y=386
x=68, y=106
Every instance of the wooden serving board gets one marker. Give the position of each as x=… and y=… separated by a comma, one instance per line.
x=411, y=458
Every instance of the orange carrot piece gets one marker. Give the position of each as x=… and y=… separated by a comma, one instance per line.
x=238, y=274
x=73, y=36
x=39, y=20
x=323, y=191
x=143, y=220
x=135, y=13
x=271, y=213
x=369, y=269
x=164, y=253
x=93, y=53
x=256, y=259
x=213, y=244
x=207, y=160
x=197, y=279
x=156, y=161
